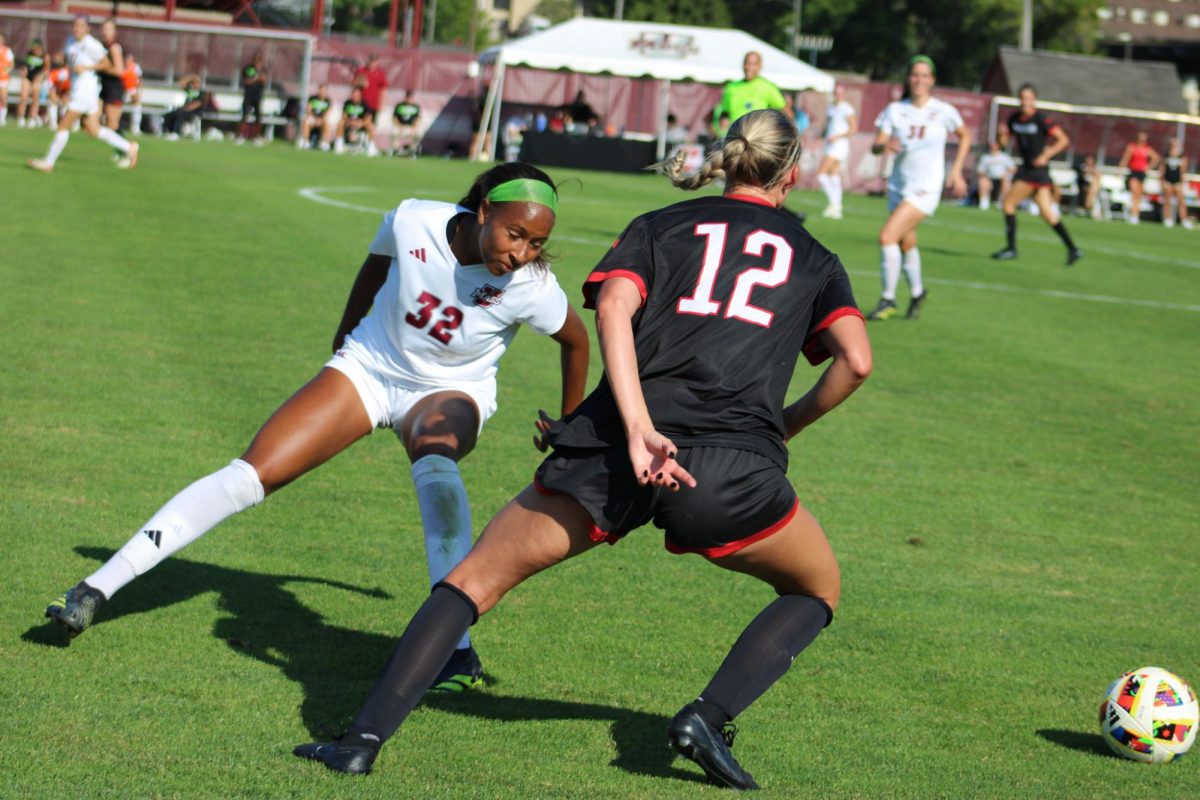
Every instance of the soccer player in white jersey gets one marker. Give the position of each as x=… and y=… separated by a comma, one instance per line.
x=435, y=305
x=85, y=56
x=841, y=123
x=915, y=128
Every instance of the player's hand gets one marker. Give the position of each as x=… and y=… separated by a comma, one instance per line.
x=543, y=423
x=653, y=458
x=957, y=185
x=1041, y=160
x=893, y=145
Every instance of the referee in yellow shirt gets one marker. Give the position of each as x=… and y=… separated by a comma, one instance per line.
x=749, y=94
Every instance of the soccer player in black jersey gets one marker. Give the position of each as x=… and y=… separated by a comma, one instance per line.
x=702, y=309
x=1039, y=139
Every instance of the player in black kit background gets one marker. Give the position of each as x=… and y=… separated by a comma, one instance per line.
x=1039, y=139
x=702, y=309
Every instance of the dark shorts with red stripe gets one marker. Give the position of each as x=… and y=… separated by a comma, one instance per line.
x=740, y=497
x=1034, y=176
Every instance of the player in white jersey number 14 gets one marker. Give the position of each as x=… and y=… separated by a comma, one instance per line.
x=915, y=130
x=85, y=56
x=490, y=248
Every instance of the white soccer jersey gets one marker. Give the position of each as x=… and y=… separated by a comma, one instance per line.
x=839, y=119
x=921, y=163
x=436, y=321
x=85, y=52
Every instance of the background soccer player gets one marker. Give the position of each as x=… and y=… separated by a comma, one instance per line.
x=1139, y=158
x=915, y=128
x=841, y=123
x=86, y=56
x=1039, y=139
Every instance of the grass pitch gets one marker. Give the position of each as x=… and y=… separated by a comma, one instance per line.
x=1013, y=497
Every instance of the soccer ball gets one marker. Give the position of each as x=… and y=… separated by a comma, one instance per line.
x=1149, y=715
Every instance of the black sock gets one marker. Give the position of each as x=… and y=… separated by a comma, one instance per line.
x=763, y=653
x=420, y=654
x=1010, y=230
x=1061, y=230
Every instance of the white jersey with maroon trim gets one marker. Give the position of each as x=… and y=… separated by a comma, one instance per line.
x=921, y=163
x=83, y=55
x=436, y=321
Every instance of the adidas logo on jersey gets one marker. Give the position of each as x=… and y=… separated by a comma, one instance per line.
x=418, y=253
x=154, y=536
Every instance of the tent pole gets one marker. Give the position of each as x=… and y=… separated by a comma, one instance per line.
x=497, y=103
x=664, y=106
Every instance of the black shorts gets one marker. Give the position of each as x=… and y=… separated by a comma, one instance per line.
x=740, y=497
x=1135, y=176
x=1034, y=176
x=252, y=105
x=112, y=92
x=1172, y=175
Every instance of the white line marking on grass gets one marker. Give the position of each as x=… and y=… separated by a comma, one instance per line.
x=314, y=193
x=1091, y=298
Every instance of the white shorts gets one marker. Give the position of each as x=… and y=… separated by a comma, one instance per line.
x=84, y=102
x=839, y=149
x=925, y=200
x=388, y=401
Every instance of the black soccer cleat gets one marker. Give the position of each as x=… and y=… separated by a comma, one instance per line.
x=914, y=305
x=1007, y=254
x=76, y=609
x=350, y=759
x=463, y=671
x=1073, y=255
x=886, y=309
x=692, y=737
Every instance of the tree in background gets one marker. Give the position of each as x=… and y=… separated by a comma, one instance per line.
x=877, y=37
x=707, y=13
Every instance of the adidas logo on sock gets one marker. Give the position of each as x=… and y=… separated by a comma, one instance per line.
x=154, y=536
x=418, y=253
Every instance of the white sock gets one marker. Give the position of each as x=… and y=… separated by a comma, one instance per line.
x=113, y=140
x=57, y=146
x=52, y=116
x=835, y=190
x=889, y=267
x=823, y=181
x=135, y=121
x=445, y=515
x=912, y=271
x=3, y=114
x=985, y=202
x=185, y=518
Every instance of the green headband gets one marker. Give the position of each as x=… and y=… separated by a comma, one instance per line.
x=525, y=190
x=921, y=59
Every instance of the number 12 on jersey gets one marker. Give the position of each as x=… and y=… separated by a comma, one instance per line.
x=701, y=302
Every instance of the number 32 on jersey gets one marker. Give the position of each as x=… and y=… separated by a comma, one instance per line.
x=701, y=302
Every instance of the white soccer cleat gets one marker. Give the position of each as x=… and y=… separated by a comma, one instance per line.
x=40, y=165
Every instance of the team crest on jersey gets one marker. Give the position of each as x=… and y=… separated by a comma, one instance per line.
x=487, y=296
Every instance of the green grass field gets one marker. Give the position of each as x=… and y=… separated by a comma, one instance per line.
x=1014, y=498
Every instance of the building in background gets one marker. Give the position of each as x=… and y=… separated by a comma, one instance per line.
x=1156, y=30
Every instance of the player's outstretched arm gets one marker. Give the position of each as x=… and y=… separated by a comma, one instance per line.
x=651, y=454
x=371, y=276
x=846, y=340
x=958, y=184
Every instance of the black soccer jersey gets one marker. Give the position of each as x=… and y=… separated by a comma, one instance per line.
x=1031, y=133
x=317, y=105
x=733, y=291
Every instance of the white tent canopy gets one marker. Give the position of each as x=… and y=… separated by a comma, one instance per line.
x=645, y=50
x=654, y=50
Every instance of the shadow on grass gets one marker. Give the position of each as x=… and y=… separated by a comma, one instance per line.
x=336, y=667
x=1074, y=740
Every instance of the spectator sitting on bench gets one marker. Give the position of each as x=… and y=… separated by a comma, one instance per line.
x=355, y=126
x=188, y=111
x=404, y=126
x=316, y=113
